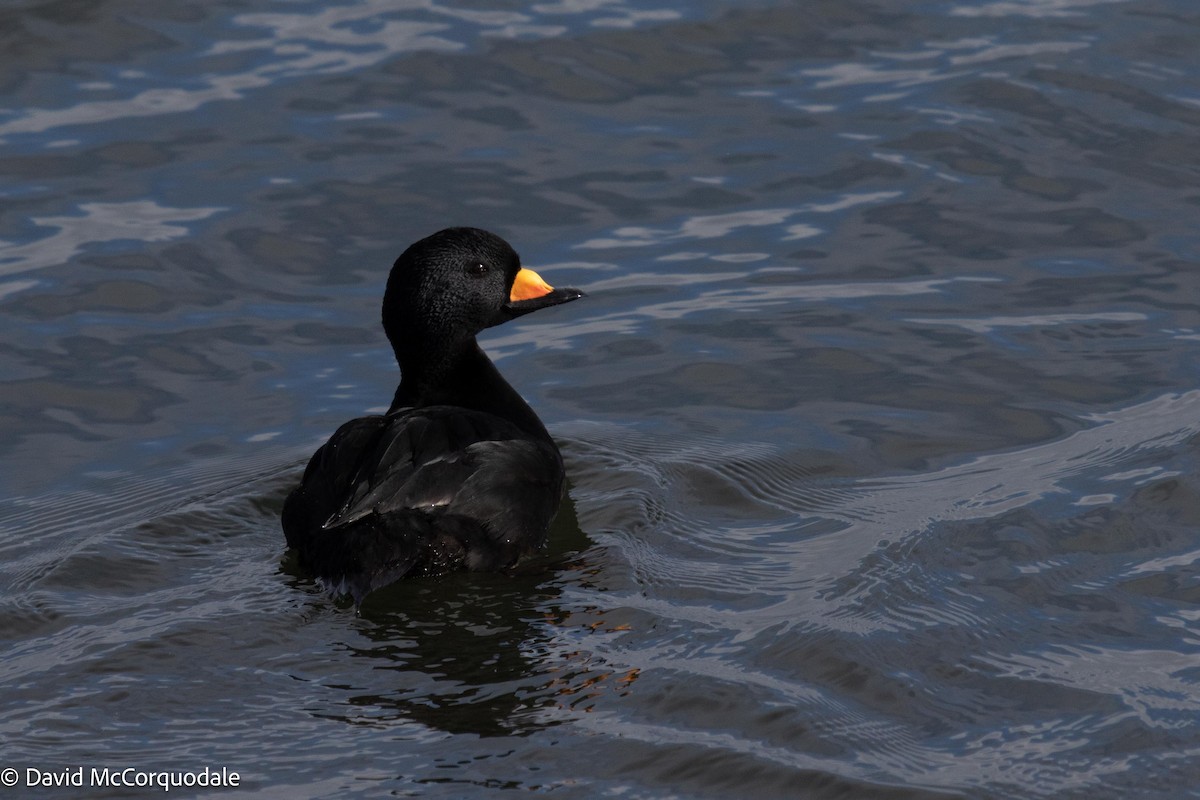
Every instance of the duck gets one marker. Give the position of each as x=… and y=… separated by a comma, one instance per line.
x=460, y=473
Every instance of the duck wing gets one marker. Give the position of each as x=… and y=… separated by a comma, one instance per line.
x=422, y=491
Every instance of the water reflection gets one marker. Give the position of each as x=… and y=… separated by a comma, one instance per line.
x=482, y=653
x=722, y=225
x=134, y=221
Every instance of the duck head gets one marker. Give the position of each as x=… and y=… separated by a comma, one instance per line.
x=448, y=287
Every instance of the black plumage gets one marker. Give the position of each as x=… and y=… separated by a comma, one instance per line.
x=459, y=473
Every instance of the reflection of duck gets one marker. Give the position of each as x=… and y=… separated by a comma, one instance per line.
x=460, y=473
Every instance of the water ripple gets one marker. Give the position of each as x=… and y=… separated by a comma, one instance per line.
x=315, y=39
x=721, y=225
x=136, y=220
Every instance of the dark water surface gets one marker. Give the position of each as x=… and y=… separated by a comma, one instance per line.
x=880, y=416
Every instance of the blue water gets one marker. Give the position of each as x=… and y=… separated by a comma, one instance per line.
x=879, y=416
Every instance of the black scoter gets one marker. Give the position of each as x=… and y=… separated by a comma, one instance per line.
x=459, y=473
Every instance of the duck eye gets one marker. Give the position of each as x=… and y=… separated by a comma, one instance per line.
x=476, y=268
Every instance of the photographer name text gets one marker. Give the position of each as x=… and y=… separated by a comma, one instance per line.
x=127, y=777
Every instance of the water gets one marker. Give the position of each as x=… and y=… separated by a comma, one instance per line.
x=880, y=415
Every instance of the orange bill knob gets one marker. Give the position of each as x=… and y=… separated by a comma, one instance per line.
x=528, y=285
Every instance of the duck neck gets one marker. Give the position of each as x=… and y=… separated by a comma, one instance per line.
x=464, y=377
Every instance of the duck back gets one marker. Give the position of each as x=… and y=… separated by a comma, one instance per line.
x=421, y=491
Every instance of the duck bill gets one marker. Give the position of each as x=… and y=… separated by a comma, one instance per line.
x=529, y=293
